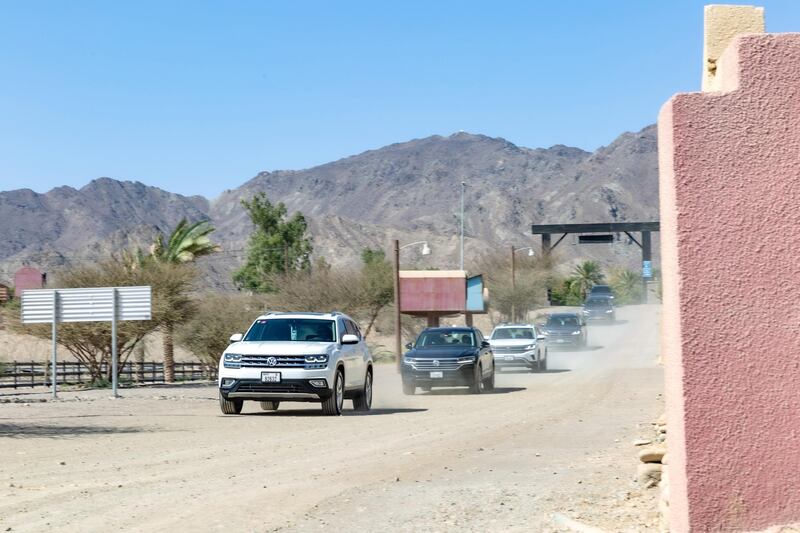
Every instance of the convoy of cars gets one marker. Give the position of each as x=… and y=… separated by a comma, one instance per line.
x=323, y=358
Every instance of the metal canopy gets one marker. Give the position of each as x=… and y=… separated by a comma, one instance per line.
x=601, y=227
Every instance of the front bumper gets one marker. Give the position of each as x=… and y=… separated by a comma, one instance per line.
x=465, y=375
x=564, y=340
x=519, y=358
x=296, y=390
x=598, y=316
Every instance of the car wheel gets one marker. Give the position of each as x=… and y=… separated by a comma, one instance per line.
x=230, y=407
x=477, y=381
x=363, y=402
x=543, y=362
x=409, y=388
x=269, y=406
x=488, y=383
x=332, y=406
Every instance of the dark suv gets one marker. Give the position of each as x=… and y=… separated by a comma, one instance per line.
x=603, y=291
x=448, y=357
x=599, y=308
x=565, y=329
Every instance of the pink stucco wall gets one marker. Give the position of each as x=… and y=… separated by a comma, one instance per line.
x=26, y=278
x=433, y=294
x=730, y=222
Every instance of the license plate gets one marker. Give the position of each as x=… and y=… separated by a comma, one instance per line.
x=270, y=377
x=509, y=358
x=437, y=375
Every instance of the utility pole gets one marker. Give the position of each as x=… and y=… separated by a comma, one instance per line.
x=513, y=285
x=463, y=187
x=398, y=343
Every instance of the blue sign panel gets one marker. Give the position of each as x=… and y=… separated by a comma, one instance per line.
x=647, y=269
x=475, y=303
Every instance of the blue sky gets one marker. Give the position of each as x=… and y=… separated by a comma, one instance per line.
x=197, y=97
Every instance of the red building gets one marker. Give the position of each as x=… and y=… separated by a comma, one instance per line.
x=28, y=278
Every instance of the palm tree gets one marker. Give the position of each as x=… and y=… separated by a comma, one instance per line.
x=584, y=276
x=186, y=243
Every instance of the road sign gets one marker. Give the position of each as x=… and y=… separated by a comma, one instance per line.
x=647, y=269
x=97, y=304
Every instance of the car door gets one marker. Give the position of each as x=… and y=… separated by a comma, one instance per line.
x=486, y=357
x=352, y=355
x=360, y=361
x=347, y=352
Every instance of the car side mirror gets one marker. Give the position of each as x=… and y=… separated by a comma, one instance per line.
x=541, y=338
x=485, y=344
x=349, y=338
x=236, y=337
x=409, y=346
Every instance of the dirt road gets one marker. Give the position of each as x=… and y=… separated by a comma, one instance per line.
x=158, y=459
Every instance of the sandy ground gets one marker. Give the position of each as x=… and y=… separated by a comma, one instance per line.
x=544, y=446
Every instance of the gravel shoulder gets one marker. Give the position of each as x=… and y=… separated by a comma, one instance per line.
x=548, y=444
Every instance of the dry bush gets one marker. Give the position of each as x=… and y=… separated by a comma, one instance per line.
x=218, y=316
x=533, y=276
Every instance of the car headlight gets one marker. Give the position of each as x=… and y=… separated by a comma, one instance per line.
x=316, y=359
x=233, y=357
x=530, y=347
x=609, y=310
x=409, y=360
x=467, y=359
x=576, y=332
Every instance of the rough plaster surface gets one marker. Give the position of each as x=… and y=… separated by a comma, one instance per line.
x=721, y=23
x=730, y=209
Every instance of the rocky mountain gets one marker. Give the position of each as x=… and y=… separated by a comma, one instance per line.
x=410, y=191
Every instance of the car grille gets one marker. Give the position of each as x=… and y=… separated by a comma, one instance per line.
x=562, y=335
x=280, y=388
x=430, y=364
x=509, y=349
x=281, y=361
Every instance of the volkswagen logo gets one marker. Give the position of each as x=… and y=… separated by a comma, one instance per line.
x=271, y=361
x=436, y=363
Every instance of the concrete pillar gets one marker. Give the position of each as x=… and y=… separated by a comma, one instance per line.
x=730, y=205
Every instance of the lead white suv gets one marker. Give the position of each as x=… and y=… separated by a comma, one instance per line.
x=298, y=357
x=519, y=345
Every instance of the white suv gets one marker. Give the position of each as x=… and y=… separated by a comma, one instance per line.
x=519, y=344
x=298, y=357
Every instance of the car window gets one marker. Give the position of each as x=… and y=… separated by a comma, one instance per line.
x=446, y=338
x=513, y=333
x=351, y=328
x=563, y=321
x=291, y=329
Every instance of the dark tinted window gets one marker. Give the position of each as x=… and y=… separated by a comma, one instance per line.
x=292, y=329
x=446, y=338
x=563, y=321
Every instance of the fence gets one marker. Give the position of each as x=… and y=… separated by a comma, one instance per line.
x=20, y=374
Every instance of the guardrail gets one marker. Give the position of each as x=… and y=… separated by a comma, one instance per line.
x=18, y=374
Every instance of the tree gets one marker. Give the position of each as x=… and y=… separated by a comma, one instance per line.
x=376, y=287
x=277, y=245
x=186, y=243
x=532, y=277
x=90, y=342
x=627, y=286
x=584, y=276
x=218, y=317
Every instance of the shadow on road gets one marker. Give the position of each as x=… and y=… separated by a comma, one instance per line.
x=345, y=412
x=524, y=371
x=17, y=431
x=564, y=349
x=465, y=391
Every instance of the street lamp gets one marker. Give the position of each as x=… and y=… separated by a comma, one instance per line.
x=426, y=250
x=514, y=250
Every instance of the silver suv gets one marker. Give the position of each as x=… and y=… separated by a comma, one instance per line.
x=298, y=357
x=519, y=345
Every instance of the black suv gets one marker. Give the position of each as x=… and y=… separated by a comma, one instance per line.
x=565, y=329
x=600, y=291
x=449, y=357
x=599, y=308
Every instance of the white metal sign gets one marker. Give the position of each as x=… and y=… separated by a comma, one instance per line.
x=102, y=304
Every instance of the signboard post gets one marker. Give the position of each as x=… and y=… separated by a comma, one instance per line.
x=105, y=304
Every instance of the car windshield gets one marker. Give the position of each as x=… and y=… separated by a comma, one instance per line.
x=512, y=333
x=292, y=329
x=601, y=289
x=562, y=321
x=598, y=302
x=445, y=338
